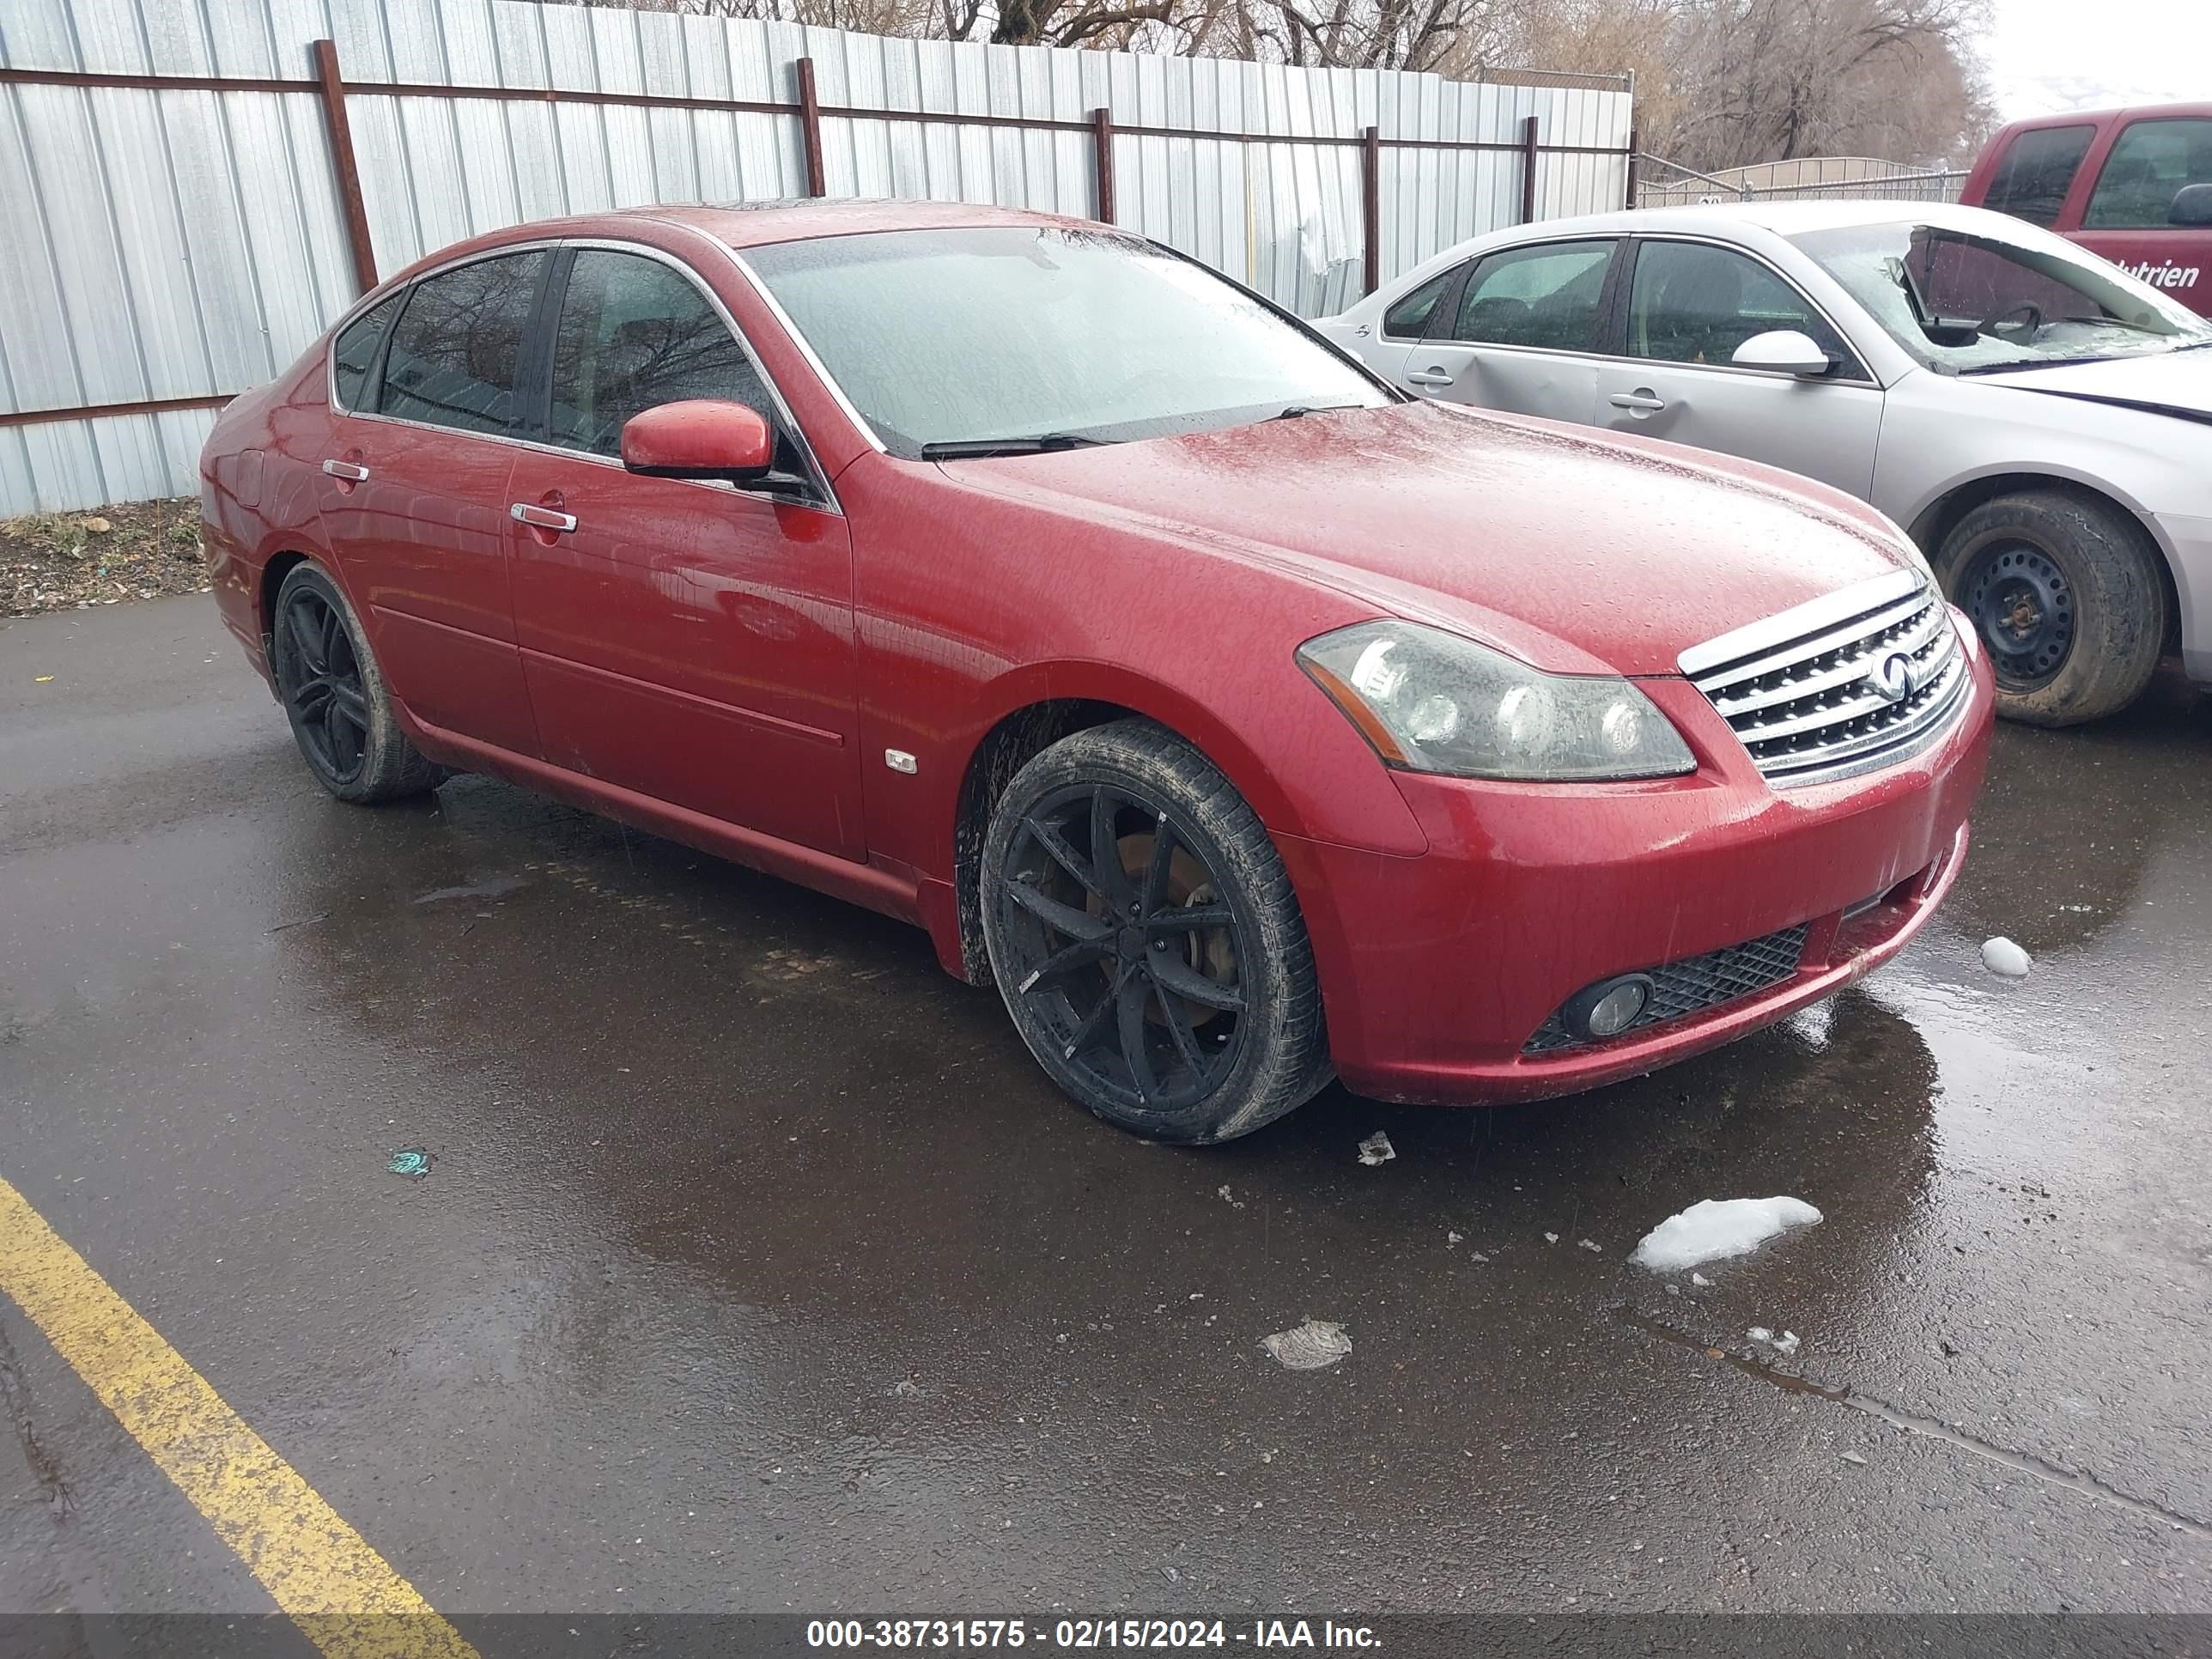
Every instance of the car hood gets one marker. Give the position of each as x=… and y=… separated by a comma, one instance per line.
x=1578, y=553
x=2177, y=383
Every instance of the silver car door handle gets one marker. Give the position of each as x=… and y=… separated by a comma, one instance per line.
x=1642, y=402
x=1428, y=377
x=347, y=470
x=544, y=518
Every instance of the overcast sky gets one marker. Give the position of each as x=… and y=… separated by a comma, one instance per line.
x=2050, y=55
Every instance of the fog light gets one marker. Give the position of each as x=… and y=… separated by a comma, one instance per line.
x=1608, y=1007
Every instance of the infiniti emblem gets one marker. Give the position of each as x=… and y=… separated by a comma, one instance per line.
x=1894, y=679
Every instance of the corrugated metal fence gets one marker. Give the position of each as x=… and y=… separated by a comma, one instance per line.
x=191, y=189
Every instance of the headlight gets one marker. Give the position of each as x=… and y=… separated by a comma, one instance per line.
x=1431, y=701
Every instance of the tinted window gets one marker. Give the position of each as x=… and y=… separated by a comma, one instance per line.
x=2150, y=162
x=1546, y=295
x=1690, y=303
x=356, y=350
x=635, y=333
x=1409, y=318
x=2031, y=180
x=458, y=347
x=972, y=336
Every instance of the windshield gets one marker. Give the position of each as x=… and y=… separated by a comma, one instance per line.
x=1042, y=335
x=1967, y=303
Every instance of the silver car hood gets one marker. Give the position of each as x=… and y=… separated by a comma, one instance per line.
x=2177, y=383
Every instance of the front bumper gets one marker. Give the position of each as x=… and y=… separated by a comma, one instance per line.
x=1437, y=970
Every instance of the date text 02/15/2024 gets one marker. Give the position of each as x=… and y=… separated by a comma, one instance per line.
x=1083, y=1634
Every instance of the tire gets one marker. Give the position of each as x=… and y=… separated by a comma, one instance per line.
x=2069, y=597
x=335, y=695
x=1192, y=1031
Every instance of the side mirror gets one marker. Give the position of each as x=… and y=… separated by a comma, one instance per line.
x=2192, y=205
x=700, y=437
x=1784, y=350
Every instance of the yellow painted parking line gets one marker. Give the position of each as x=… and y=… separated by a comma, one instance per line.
x=339, y=1591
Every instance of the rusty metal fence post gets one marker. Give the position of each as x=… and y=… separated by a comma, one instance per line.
x=809, y=125
x=1528, y=171
x=1102, y=161
x=1370, y=206
x=350, y=201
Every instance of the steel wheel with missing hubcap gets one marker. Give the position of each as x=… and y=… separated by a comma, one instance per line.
x=318, y=677
x=2023, y=606
x=1120, y=938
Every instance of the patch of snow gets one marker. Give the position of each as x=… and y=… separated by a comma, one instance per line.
x=1592, y=1244
x=1550, y=1238
x=1853, y=1457
x=2000, y=956
x=1377, y=1149
x=1786, y=1343
x=1314, y=1346
x=1453, y=1238
x=1759, y=1334
x=1719, y=1227
x=1701, y=1281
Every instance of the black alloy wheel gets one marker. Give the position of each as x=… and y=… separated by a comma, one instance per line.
x=319, y=680
x=343, y=714
x=1141, y=928
x=1121, y=940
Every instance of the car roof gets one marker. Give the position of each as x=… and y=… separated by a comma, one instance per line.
x=2084, y=118
x=796, y=219
x=1780, y=218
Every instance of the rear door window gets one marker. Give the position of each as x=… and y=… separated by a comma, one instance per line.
x=2035, y=172
x=1547, y=295
x=2150, y=162
x=456, y=352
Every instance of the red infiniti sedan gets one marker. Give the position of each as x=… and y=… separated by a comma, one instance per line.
x=1244, y=722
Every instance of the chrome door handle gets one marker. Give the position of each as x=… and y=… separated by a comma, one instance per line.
x=347, y=470
x=1428, y=377
x=544, y=518
x=1642, y=402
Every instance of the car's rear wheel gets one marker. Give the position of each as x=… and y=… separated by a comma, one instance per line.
x=2067, y=596
x=332, y=690
x=1141, y=928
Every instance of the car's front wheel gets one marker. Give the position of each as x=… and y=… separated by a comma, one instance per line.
x=1142, y=930
x=2066, y=593
x=332, y=689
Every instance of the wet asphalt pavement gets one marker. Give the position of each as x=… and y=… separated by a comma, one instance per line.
x=757, y=1267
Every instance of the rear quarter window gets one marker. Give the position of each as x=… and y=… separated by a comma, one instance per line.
x=2035, y=172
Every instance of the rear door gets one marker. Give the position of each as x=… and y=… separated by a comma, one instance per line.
x=1521, y=331
x=2126, y=217
x=1688, y=307
x=413, y=492
x=689, y=640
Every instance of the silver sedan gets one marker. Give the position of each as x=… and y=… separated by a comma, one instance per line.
x=2039, y=421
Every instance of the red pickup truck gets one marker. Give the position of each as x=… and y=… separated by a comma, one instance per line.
x=2132, y=185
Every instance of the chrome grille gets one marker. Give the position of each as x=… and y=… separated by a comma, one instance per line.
x=1697, y=983
x=1805, y=691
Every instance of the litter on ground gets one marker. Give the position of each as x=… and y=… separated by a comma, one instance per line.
x=2000, y=956
x=1718, y=1227
x=1314, y=1346
x=1853, y=1457
x=1377, y=1149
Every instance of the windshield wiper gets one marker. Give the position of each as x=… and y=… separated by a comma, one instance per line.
x=1297, y=410
x=955, y=449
